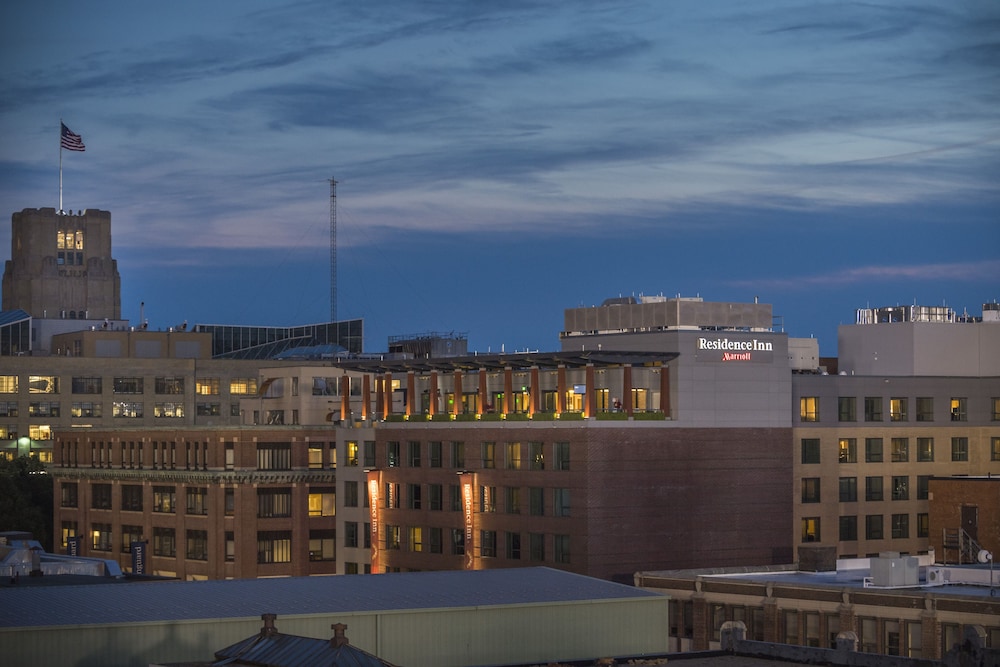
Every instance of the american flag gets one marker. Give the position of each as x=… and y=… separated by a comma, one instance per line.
x=70, y=140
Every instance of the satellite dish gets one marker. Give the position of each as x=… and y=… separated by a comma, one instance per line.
x=984, y=556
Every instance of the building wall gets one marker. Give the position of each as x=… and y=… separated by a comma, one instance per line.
x=153, y=460
x=639, y=493
x=497, y=634
x=75, y=283
x=976, y=438
x=919, y=623
x=941, y=349
x=42, y=398
x=969, y=503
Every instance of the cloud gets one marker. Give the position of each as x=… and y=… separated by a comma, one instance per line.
x=975, y=271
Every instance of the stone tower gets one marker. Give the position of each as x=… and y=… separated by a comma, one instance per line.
x=61, y=266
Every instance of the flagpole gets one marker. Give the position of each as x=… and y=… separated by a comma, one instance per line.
x=60, y=166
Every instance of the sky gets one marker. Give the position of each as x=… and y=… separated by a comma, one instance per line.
x=499, y=162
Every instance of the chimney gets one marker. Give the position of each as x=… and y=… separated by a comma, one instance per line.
x=268, y=629
x=339, y=639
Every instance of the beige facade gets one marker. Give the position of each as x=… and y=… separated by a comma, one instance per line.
x=61, y=266
x=867, y=447
x=786, y=606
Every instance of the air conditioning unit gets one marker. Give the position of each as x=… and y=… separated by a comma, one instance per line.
x=938, y=575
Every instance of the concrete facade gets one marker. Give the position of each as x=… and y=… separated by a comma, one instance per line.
x=61, y=266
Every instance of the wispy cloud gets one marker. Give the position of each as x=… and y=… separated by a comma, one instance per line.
x=974, y=271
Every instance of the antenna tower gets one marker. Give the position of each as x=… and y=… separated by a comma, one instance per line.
x=333, y=250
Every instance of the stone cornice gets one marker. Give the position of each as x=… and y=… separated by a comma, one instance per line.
x=183, y=476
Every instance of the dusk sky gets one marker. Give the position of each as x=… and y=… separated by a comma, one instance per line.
x=499, y=161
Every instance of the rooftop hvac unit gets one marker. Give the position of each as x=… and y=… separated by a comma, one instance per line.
x=938, y=575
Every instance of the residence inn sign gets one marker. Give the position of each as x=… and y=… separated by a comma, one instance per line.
x=733, y=349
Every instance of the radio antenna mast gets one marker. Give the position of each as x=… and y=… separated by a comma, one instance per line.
x=333, y=250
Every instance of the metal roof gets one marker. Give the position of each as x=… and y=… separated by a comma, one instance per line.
x=516, y=361
x=280, y=650
x=151, y=602
x=12, y=316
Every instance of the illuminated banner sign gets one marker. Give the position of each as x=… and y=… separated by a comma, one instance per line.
x=734, y=349
x=139, y=557
x=467, y=510
x=373, y=483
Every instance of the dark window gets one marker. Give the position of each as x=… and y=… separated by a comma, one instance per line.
x=132, y=497
x=513, y=545
x=413, y=454
x=458, y=455
x=68, y=494
x=810, y=450
x=847, y=409
x=848, y=489
x=435, y=497
x=560, y=544
x=197, y=500
x=873, y=450
x=848, y=528
x=536, y=501
x=350, y=494
x=923, y=487
x=164, y=542
x=925, y=450
x=810, y=490
x=536, y=546
x=561, y=456
x=488, y=543
x=873, y=527
x=873, y=488
x=435, y=454
x=900, y=526
x=873, y=408
x=127, y=385
x=900, y=487
x=900, y=450
x=197, y=544
x=100, y=496
x=959, y=449
x=489, y=455
x=87, y=385
x=925, y=409
x=392, y=454
x=351, y=534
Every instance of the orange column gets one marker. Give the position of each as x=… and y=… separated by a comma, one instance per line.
x=456, y=406
x=387, y=396
x=627, y=390
x=345, y=397
x=590, y=398
x=366, y=397
x=433, y=407
x=411, y=389
x=561, y=389
x=665, y=390
x=508, y=390
x=483, y=395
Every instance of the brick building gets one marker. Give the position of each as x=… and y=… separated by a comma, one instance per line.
x=210, y=503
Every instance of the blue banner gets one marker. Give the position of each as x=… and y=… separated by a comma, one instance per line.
x=139, y=557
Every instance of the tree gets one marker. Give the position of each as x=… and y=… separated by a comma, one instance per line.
x=26, y=498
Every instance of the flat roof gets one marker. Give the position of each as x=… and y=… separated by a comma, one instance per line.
x=516, y=361
x=851, y=579
x=152, y=602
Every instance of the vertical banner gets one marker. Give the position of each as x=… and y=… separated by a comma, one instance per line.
x=139, y=557
x=374, y=481
x=468, y=512
x=73, y=545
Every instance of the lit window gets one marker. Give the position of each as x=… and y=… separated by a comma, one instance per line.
x=322, y=502
x=809, y=408
x=810, y=529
